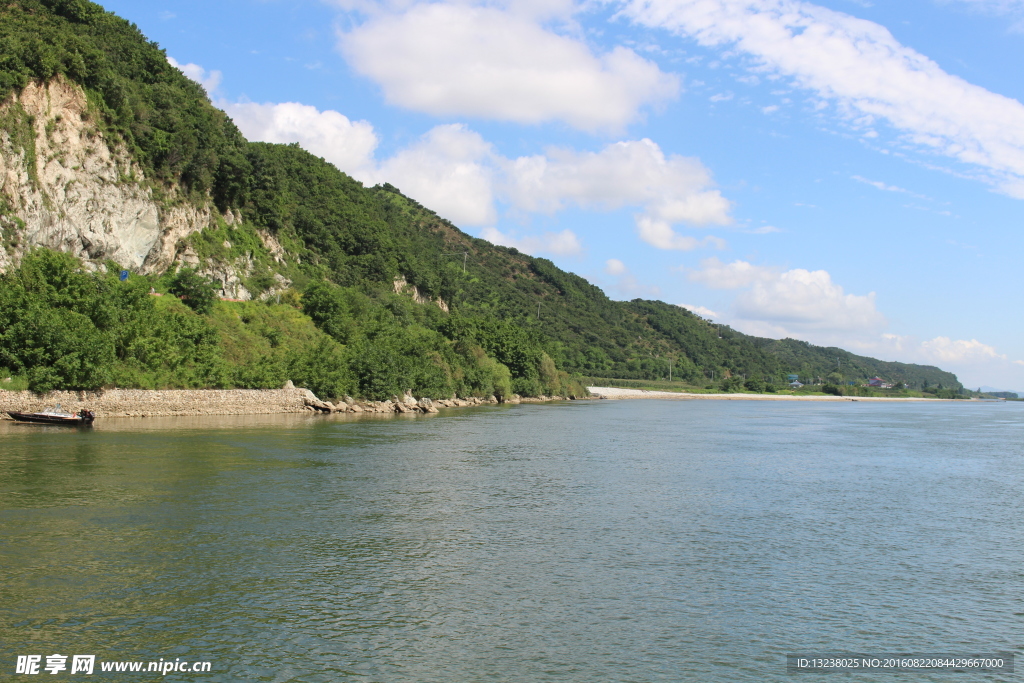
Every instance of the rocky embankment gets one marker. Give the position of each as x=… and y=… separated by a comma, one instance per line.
x=171, y=402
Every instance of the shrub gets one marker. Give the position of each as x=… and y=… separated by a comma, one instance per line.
x=195, y=290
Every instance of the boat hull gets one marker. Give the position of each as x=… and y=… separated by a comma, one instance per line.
x=43, y=418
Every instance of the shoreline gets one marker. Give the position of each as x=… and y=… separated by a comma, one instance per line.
x=136, y=403
x=617, y=393
x=125, y=403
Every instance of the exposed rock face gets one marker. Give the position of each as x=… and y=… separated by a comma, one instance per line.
x=176, y=224
x=402, y=286
x=64, y=186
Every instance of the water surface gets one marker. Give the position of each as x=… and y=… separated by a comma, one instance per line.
x=587, y=541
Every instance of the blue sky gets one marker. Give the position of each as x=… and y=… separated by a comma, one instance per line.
x=843, y=172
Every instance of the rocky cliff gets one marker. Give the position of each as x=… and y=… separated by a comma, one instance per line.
x=65, y=186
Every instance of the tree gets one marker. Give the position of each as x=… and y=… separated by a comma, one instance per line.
x=197, y=291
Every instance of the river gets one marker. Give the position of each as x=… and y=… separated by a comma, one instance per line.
x=583, y=541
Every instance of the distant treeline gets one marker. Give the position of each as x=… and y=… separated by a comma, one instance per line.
x=1013, y=396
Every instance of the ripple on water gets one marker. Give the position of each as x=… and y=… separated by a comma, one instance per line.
x=612, y=541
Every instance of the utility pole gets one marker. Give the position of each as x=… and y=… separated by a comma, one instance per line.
x=464, y=254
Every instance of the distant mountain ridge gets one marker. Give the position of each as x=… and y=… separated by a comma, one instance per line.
x=113, y=155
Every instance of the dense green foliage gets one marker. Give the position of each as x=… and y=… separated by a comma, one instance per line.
x=511, y=323
x=196, y=291
x=64, y=328
x=395, y=345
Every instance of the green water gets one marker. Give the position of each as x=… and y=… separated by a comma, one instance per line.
x=588, y=541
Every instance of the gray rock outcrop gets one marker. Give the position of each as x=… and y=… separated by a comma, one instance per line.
x=66, y=187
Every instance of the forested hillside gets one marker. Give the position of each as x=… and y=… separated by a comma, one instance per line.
x=486, y=319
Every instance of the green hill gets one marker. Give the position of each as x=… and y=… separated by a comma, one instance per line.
x=490, y=319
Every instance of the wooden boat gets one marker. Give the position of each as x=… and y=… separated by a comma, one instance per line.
x=55, y=416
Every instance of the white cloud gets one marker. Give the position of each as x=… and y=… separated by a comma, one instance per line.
x=564, y=243
x=879, y=185
x=809, y=300
x=946, y=350
x=210, y=80
x=860, y=67
x=450, y=170
x=661, y=235
x=736, y=275
x=635, y=172
x=795, y=302
x=456, y=59
x=668, y=190
x=701, y=311
x=614, y=266
x=347, y=144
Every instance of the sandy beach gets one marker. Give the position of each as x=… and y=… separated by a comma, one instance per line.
x=616, y=392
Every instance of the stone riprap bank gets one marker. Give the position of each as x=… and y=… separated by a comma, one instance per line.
x=169, y=402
